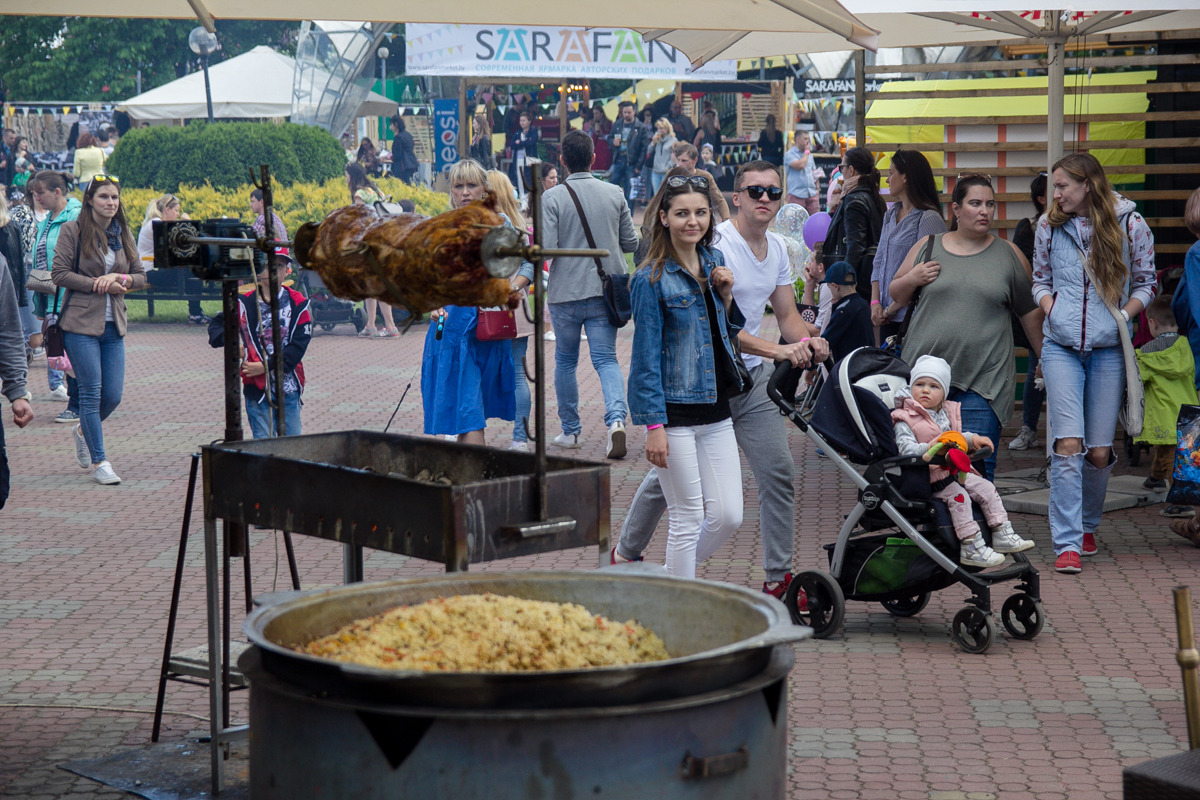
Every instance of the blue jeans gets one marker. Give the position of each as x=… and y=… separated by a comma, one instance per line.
x=978, y=417
x=569, y=319
x=261, y=416
x=656, y=180
x=521, y=385
x=1084, y=393
x=620, y=175
x=99, y=364
x=1033, y=397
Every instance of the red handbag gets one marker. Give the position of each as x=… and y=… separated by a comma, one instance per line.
x=496, y=324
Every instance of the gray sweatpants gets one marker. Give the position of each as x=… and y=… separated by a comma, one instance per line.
x=761, y=433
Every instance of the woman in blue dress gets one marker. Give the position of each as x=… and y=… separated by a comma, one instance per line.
x=465, y=382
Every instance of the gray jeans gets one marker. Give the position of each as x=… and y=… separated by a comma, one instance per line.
x=762, y=435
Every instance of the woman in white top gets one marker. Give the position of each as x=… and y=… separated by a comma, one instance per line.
x=167, y=208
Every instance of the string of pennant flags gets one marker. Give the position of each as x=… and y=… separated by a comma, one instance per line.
x=38, y=109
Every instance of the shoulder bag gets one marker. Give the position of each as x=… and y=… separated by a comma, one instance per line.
x=1133, y=408
x=896, y=343
x=617, y=301
x=52, y=332
x=496, y=324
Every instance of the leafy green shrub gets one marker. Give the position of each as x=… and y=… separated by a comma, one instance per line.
x=222, y=155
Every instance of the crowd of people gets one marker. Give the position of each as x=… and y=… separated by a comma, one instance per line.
x=953, y=301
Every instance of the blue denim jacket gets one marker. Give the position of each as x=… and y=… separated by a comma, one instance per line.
x=673, y=358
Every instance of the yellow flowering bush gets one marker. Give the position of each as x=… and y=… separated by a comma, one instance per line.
x=295, y=204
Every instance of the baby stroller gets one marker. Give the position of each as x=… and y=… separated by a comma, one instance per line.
x=328, y=311
x=897, y=545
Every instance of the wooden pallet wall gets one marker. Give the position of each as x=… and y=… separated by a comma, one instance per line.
x=1171, y=142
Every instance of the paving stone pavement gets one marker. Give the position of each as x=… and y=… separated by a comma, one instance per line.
x=889, y=708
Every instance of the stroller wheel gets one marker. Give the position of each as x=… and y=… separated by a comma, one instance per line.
x=973, y=630
x=1022, y=616
x=907, y=606
x=360, y=319
x=327, y=326
x=824, y=605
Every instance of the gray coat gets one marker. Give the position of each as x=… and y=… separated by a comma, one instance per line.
x=13, y=366
x=612, y=226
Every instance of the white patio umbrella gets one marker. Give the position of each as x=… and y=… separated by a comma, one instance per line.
x=255, y=84
x=918, y=23
x=794, y=16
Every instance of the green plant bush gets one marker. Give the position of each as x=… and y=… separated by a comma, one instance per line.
x=222, y=155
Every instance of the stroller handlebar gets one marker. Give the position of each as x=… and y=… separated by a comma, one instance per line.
x=782, y=372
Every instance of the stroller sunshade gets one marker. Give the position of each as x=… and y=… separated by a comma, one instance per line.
x=854, y=410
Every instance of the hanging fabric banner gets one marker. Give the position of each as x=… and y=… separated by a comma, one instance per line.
x=550, y=52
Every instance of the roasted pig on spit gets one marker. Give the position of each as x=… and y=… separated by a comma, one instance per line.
x=421, y=263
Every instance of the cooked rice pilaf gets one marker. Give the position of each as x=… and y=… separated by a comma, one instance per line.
x=489, y=633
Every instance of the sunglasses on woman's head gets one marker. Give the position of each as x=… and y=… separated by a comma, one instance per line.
x=756, y=192
x=962, y=176
x=105, y=178
x=679, y=181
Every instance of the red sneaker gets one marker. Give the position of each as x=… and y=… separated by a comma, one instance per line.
x=612, y=558
x=1069, y=562
x=1089, y=544
x=777, y=589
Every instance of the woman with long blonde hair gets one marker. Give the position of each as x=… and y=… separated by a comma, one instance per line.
x=464, y=382
x=1092, y=251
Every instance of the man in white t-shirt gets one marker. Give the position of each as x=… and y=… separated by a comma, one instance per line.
x=761, y=275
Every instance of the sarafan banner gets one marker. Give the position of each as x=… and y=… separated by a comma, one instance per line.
x=550, y=53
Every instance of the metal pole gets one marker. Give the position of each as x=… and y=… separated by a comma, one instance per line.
x=1056, y=63
x=233, y=394
x=1189, y=660
x=860, y=98
x=207, y=87
x=539, y=354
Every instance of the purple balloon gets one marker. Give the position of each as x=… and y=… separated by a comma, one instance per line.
x=815, y=228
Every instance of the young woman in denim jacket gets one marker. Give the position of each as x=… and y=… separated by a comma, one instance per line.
x=1082, y=358
x=682, y=373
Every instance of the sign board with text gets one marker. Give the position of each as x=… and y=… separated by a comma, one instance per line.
x=550, y=53
x=445, y=134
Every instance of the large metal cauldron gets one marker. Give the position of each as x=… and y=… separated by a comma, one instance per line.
x=710, y=722
x=718, y=635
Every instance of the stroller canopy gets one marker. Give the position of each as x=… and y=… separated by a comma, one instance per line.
x=854, y=410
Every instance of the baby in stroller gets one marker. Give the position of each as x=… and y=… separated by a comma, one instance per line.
x=922, y=415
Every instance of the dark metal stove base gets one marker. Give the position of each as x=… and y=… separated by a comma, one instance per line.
x=168, y=772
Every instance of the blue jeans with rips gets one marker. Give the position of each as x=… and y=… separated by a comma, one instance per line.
x=1084, y=392
x=978, y=417
x=569, y=320
x=99, y=363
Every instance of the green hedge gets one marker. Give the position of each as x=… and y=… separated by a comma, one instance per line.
x=222, y=154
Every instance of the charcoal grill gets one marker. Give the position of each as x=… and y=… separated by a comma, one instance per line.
x=418, y=496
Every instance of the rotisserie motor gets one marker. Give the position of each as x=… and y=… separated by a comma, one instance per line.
x=418, y=262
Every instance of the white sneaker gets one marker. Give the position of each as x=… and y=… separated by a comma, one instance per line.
x=548, y=336
x=83, y=455
x=570, y=441
x=104, y=474
x=522, y=446
x=60, y=393
x=1024, y=440
x=583, y=336
x=616, y=441
x=1005, y=540
x=976, y=553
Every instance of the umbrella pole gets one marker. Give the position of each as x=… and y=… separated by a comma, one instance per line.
x=1055, y=76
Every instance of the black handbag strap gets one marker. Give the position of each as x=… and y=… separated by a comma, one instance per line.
x=587, y=229
x=926, y=254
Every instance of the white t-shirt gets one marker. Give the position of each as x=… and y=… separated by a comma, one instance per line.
x=110, y=261
x=145, y=244
x=754, y=281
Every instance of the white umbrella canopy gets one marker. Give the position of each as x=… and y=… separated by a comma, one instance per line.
x=795, y=16
x=919, y=23
x=256, y=84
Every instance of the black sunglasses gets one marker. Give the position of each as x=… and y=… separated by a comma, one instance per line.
x=756, y=192
x=679, y=181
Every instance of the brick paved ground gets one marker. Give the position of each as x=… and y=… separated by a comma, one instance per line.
x=889, y=709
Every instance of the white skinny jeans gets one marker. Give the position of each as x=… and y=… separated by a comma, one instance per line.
x=702, y=485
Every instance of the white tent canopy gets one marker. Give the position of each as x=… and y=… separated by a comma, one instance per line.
x=257, y=84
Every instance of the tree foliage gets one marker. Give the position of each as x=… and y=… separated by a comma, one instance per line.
x=222, y=154
x=97, y=59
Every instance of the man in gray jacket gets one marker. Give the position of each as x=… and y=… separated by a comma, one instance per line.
x=575, y=293
x=13, y=367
